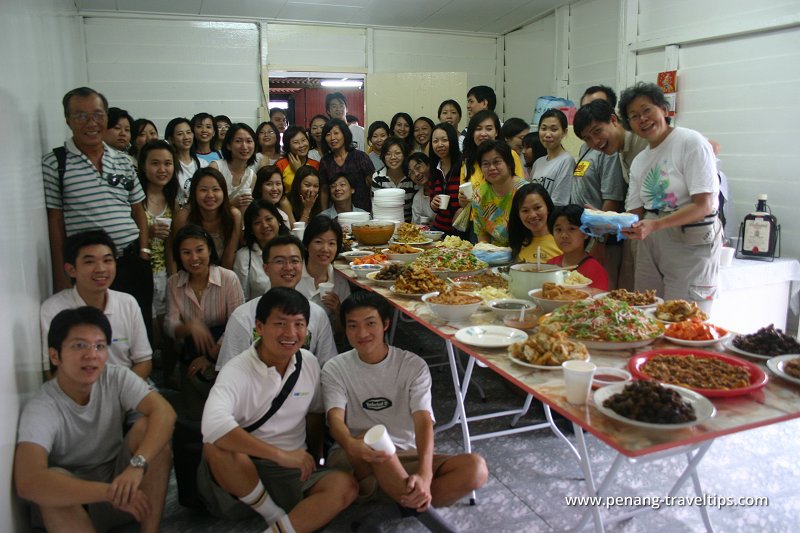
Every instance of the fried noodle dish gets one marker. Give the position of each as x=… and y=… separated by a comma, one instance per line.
x=633, y=298
x=418, y=280
x=408, y=233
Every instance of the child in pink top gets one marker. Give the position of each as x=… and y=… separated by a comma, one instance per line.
x=564, y=223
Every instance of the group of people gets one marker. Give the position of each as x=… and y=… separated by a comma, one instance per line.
x=184, y=244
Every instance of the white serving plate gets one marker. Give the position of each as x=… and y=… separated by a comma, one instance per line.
x=703, y=408
x=776, y=365
x=490, y=336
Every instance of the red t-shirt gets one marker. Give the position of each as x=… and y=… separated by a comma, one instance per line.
x=589, y=267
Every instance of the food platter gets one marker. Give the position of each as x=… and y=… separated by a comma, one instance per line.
x=618, y=345
x=777, y=363
x=381, y=282
x=415, y=243
x=696, y=344
x=540, y=367
x=416, y=296
x=490, y=336
x=728, y=345
x=658, y=302
x=758, y=378
x=703, y=408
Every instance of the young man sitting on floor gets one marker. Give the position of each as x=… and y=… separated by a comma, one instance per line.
x=89, y=260
x=72, y=460
x=256, y=457
x=375, y=383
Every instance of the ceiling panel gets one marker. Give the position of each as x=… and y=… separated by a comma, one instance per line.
x=496, y=18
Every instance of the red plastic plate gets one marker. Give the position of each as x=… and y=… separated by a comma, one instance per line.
x=758, y=378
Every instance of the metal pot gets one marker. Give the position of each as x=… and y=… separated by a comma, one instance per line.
x=524, y=277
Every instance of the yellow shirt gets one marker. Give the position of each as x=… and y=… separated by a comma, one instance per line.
x=477, y=173
x=547, y=248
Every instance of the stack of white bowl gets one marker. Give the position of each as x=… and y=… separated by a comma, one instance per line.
x=388, y=204
x=347, y=219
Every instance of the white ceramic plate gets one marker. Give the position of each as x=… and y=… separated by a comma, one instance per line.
x=703, y=408
x=696, y=344
x=621, y=345
x=490, y=336
x=381, y=282
x=659, y=301
x=776, y=365
x=416, y=243
x=356, y=253
x=728, y=345
x=405, y=294
x=539, y=367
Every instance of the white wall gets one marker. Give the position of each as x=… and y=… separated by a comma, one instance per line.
x=42, y=59
x=592, y=55
x=164, y=69
x=529, y=67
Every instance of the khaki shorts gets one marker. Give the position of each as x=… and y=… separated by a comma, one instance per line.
x=282, y=484
x=368, y=488
x=102, y=514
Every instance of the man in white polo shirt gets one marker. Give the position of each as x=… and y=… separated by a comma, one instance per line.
x=89, y=261
x=258, y=458
x=283, y=263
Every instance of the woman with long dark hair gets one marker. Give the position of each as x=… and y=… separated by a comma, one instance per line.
x=295, y=154
x=315, y=136
x=205, y=131
x=267, y=145
x=304, y=196
x=210, y=209
x=180, y=135
x=401, y=127
x=528, y=235
x=554, y=171
x=238, y=156
x=142, y=132
x=445, y=176
x=423, y=127
x=269, y=186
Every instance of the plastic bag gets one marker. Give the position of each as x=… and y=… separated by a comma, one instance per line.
x=543, y=103
x=461, y=222
x=598, y=223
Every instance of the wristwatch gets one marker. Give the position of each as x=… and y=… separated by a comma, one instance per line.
x=138, y=461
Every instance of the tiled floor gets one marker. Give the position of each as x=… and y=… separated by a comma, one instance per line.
x=531, y=474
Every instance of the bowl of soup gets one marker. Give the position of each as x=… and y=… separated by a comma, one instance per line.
x=504, y=307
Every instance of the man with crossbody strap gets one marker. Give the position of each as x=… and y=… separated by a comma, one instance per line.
x=257, y=456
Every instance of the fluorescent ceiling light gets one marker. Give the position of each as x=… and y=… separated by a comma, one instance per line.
x=342, y=83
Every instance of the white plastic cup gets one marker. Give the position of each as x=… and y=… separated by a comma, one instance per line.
x=299, y=225
x=578, y=380
x=325, y=288
x=444, y=200
x=466, y=189
x=379, y=440
x=726, y=256
x=299, y=229
x=164, y=220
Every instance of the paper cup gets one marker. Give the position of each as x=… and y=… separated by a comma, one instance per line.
x=466, y=188
x=325, y=288
x=379, y=440
x=578, y=380
x=164, y=220
x=726, y=256
x=444, y=200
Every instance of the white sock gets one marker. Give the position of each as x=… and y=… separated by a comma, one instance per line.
x=261, y=503
x=282, y=525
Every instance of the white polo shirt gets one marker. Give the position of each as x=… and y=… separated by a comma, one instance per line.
x=240, y=333
x=129, y=344
x=243, y=393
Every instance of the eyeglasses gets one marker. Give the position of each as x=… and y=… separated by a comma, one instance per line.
x=82, y=118
x=645, y=114
x=117, y=179
x=485, y=165
x=80, y=346
x=283, y=261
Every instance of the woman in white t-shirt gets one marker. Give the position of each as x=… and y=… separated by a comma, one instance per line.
x=674, y=188
x=180, y=135
x=554, y=171
x=238, y=156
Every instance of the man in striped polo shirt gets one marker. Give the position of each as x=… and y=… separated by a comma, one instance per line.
x=99, y=190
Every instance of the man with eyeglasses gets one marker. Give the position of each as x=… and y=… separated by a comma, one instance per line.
x=95, y=187
x=283, y=259
x=72, y=459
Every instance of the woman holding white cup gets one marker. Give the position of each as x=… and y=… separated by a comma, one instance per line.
x=323, y=242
